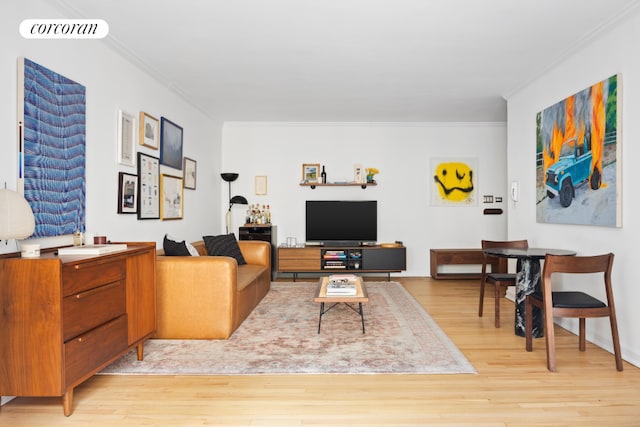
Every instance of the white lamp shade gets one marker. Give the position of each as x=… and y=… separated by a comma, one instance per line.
x=16, y=217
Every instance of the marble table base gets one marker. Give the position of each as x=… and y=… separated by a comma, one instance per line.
x=528, y=281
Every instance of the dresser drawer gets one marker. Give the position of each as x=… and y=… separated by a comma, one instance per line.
x=299, y=264
x=299, y=253
x=79, y=277
x=85, y=310
x=86, y=353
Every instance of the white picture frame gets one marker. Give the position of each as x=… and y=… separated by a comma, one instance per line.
x=126, y=138
x=261, y=185
x=359, y=175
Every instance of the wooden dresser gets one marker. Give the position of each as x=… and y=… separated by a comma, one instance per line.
x=64, y=318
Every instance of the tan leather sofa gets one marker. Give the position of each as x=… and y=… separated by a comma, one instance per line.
x=208, y=297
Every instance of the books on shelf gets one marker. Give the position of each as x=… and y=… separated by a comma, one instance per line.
x=93, y=249
x=335, y=255
x=342, y=284
x=334, y=264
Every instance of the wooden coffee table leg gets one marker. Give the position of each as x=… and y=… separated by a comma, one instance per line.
x=362, y=316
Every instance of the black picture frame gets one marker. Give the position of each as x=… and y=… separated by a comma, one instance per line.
x=127, y=193
x=171, y=136
x=148, y=187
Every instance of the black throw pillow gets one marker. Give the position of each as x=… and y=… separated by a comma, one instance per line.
x=224, y=245
x=173, y=248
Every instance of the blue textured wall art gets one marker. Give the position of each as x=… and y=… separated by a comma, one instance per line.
x=53, y=149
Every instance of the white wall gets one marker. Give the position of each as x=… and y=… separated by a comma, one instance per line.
x=401, y=152
x=112, y=83
x=614, y=52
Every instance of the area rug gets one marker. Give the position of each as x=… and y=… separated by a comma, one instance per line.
x=281, y=337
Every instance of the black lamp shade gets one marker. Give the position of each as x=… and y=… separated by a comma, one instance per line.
x=238, y=200
x=229, y=176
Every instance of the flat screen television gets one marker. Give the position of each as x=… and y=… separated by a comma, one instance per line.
x=341, y=222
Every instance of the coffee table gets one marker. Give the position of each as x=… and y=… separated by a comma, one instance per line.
x=349, y=300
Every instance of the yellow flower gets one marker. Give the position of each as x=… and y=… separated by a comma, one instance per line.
x=372, y=171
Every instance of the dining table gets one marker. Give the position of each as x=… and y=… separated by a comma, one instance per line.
x=528, y=281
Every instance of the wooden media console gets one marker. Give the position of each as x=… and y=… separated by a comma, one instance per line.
x=333, y=259
x=440, y=257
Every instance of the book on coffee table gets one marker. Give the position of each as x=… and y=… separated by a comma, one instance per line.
x=341, y=287
x=343, y=277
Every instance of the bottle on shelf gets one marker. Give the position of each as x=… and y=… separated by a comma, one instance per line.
x=323, y=175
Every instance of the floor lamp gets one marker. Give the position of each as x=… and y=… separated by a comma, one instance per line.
x=235, y=200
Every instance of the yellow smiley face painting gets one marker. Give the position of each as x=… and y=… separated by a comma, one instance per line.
x=454, y=182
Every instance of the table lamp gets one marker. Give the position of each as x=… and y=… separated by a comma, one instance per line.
x=16, y=217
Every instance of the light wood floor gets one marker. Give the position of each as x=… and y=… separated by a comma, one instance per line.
x=512, y=387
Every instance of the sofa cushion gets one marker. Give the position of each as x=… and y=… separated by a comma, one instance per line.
x=247, y=274
x=224, y=245
x=173, y=248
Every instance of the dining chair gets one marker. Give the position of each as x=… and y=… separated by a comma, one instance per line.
x=573, y=303
x=498, y=279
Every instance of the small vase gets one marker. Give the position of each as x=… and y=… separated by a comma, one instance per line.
x=370, y=179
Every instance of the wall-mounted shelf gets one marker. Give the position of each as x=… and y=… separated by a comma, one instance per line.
x=313, y=185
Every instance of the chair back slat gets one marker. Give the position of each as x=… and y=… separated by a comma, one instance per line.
x=508, y=244
x=578, y=264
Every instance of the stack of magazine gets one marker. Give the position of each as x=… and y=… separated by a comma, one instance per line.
x=341, y=284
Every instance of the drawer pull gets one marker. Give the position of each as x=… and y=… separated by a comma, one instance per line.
x=102, y=328
x=96, y=290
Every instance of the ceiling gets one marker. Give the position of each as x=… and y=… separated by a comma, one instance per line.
x=350, y=60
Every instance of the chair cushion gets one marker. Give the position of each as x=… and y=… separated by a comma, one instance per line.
x=224, y=245
x=501, y=277
x=573, y=299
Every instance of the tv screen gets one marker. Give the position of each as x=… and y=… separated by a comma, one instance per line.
x=342, y=221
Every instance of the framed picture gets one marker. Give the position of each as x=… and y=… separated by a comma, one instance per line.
x=148, y=187
x=359, y=174
x=171, y=190
x=454, y=182
x=126, y=138
x=310, y=172
x=60, y=203
x=579, y=157
x=189, y=173
x=149, y=131
x=261, y=185
x=170, y=144
x=127, y=193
